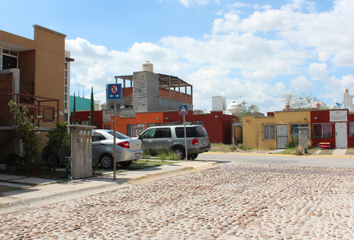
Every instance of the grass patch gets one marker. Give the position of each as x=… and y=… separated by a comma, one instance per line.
x=7, y=188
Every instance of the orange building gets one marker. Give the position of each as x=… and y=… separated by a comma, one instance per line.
x=36, y=74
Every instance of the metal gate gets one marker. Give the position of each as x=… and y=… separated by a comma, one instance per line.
x=282, y=136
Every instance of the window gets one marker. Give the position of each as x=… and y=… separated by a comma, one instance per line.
x=119, y=135
x=66, y=89
x=322, y=130
x=191, y=132
x=65, y=105
x=97, y=137
x=66, y=81
x=269, y=132
x=294, y=129
x=198, y=122
x=163, y=133
x=149, y=133
x=351, y=129
x=130, y=129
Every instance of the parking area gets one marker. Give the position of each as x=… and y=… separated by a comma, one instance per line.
x=227, y=202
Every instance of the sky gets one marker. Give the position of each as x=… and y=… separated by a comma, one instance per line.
x=254, y=50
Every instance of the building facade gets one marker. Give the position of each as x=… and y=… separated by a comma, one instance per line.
x=36, y=74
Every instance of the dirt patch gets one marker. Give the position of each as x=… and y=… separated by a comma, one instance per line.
x=350, y=151
x=326, y=152
x=220, y=148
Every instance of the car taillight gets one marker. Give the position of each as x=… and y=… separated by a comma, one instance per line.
x=124, y=144
x=195, y=141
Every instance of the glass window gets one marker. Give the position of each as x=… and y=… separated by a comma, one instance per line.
x=66, y=74
x=149, y=133
x=65, y=105
x=294, y=129
x=66, y=81
x=351, y=129
x=97, y=137
x=66, y=89
x=130, y=129
x=269, y=132
x=191, y=132
x=322, y=130
x=119, y=135
x=163, y=133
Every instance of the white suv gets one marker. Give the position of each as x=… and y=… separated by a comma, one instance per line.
x=171, y=138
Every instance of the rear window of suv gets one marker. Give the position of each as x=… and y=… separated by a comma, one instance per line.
x=191, y=132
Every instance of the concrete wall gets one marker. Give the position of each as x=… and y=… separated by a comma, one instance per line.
x=146, y=92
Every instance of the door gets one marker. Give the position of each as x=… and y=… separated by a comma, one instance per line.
x=282, y=136
x=341, y=135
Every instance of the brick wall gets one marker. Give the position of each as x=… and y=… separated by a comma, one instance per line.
x=163, y=92
x=5, y=88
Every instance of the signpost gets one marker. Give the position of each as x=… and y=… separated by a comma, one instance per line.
x=183, y=110
x=114, y=92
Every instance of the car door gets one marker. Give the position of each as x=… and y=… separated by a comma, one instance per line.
x=97, y=146
x=163, y=139
x=147, y=140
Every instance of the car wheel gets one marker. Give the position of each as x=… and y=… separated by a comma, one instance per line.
x=126, y=163
x=193, y=156
x=106, y=161
x=179, y=153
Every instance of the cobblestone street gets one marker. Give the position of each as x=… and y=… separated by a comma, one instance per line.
x=227, y=202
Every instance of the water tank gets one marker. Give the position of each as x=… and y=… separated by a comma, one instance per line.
x=234, y=107
x=147, y=66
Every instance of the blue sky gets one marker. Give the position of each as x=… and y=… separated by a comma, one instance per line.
x=254, y=50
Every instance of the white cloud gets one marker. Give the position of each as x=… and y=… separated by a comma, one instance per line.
x=318, y=71
x=344, y=58
x=302, y=84
x=198, y=2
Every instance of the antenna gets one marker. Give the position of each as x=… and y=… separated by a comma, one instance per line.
x=83, y=90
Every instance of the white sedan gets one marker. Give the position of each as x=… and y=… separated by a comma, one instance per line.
x=127, y=148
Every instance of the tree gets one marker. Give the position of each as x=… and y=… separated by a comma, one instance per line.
x=74, y=110
x=245, y=109
x=92, y=109
x=29, y=136
x=302, y=101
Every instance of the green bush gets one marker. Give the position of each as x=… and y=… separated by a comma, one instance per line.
x=293, y=142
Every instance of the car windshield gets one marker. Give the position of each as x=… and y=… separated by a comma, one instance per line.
x=119, y=135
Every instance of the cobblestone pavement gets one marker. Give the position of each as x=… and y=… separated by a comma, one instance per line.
x=227, y=202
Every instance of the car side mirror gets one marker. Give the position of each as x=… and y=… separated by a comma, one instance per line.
x=140, y=137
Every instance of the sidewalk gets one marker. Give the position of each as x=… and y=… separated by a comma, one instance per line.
x=48, y=191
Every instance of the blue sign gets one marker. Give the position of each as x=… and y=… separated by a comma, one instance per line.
x=114, y=91
x=183, y=109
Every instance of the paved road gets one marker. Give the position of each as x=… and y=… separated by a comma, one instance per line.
x=232, y=201
x=279, y=160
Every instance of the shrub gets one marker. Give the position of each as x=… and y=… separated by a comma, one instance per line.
x=292, y=143
x=29, y=136
x=233, y=147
